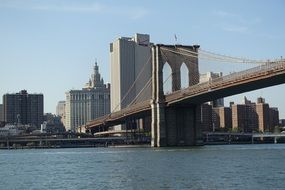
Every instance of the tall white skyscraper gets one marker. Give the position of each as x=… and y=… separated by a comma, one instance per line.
x=89, y=103
x=60, y=108
x=130, y=70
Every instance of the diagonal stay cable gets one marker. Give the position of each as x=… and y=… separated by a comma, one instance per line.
x=129, y=90
x=137, y=96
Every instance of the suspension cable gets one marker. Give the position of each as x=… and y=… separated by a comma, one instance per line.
x=137, y=96
x=213, y=56
x=129, y=90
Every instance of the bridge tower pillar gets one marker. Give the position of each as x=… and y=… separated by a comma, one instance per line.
x=177, y=124
x=158, y=131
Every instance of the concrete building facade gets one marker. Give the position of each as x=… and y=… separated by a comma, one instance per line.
x=130, y=70
x=262, y=110
x=273, y=118
x=244, y=116
x=206, y=118
x=89, y=103
x=24, y=108
x=60, y=111
x=222, y=118
x=258, y=117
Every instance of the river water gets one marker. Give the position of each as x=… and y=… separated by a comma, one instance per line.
x=207, y=167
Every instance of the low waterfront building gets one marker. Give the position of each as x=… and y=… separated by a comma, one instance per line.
x=52, y=124
x=89, y=103
x=12, y=130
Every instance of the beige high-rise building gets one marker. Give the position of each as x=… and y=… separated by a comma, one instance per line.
x=130, y=70
x=244, y=116
x=262, y=110
x=89, y=103
x=222, y=118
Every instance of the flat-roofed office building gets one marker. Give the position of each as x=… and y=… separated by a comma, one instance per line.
x=130, y=70
x=24, y=108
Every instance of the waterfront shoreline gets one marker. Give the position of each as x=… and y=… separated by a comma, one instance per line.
x=128, y=146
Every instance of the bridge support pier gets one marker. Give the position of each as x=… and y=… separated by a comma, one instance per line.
x=175, y=126
x=158, y=132
x=182, y=126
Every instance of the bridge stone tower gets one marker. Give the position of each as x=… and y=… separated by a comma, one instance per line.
x=173, y=125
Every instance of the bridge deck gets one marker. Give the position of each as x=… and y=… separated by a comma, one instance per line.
x=251, y=79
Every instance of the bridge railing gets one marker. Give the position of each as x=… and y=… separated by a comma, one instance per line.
x=231, y=78
x=138, y=107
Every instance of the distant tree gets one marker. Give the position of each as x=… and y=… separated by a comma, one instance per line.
x=235, y=130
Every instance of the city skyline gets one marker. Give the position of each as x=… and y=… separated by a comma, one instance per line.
x=49, y=46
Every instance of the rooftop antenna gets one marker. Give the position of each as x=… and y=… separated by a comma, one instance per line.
x=175, y=37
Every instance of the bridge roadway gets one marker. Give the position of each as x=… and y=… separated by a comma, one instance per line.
x=259, y=77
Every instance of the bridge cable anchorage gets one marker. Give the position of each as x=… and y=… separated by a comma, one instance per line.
x=129, y=90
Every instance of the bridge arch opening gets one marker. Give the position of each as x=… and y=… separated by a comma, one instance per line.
x=184, y=76
x=167, y=78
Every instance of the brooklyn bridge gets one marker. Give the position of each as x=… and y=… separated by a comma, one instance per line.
x=174, y=114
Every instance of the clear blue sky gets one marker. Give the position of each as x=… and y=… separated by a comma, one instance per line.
x=50, y=46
